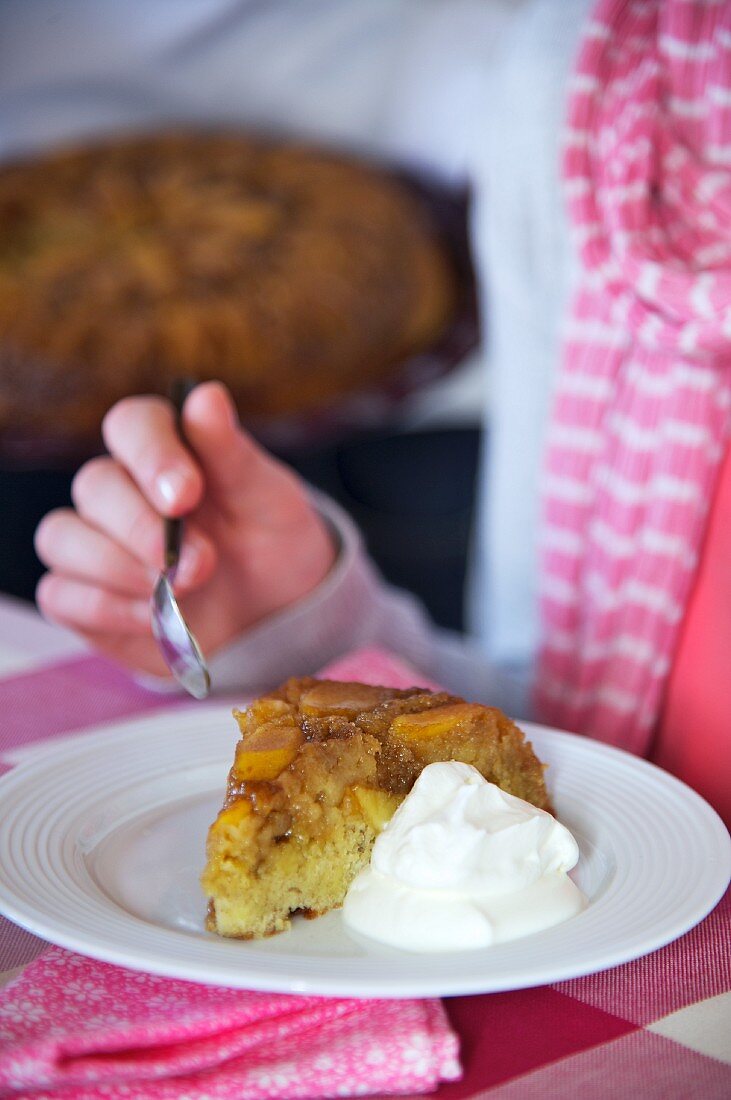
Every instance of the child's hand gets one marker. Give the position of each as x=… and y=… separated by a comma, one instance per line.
x=252, y=543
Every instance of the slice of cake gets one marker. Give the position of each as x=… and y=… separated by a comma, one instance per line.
x=320, y=768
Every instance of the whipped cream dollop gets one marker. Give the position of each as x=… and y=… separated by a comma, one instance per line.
x=462, y=864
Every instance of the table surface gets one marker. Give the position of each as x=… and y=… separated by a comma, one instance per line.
x=659, y=1027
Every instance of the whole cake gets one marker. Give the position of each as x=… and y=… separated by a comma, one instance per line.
x=292, y=274
x=320, y=768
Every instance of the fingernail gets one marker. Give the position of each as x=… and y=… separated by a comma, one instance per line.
x=170, y=485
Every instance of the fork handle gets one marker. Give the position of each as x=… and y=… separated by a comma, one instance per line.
x=173, y=527
x=173, y=537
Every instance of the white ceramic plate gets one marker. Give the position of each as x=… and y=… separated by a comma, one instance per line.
x=102, y=843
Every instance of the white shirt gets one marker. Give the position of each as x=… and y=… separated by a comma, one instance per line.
x=475, y=91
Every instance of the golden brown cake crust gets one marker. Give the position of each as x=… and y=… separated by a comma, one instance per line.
x=291, y=274
x=320, y=767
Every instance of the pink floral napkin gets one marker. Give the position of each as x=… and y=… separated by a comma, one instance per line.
x=75, y=1027
x=78, y=1028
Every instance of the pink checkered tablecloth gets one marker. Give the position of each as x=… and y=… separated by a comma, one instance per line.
x=659, y=1027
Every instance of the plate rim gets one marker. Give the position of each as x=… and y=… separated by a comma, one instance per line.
x=30, y=916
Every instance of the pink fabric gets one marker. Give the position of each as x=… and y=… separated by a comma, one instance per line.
x=642, y=406
x=692, y=739
x=376, y=666
x=98, y=1030
x=688, y=971
x=69, y=695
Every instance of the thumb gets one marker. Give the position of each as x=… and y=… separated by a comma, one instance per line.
x=240, y=476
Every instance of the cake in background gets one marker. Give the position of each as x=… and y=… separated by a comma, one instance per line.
x=294, y=275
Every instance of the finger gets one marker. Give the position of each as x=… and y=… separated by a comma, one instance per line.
x=68, y=545
x=141, y=654
x=239, y=474
x=140, y=432
x=88, y=607
x=106, y=498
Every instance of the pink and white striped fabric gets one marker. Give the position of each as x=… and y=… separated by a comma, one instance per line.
x=643, y=399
